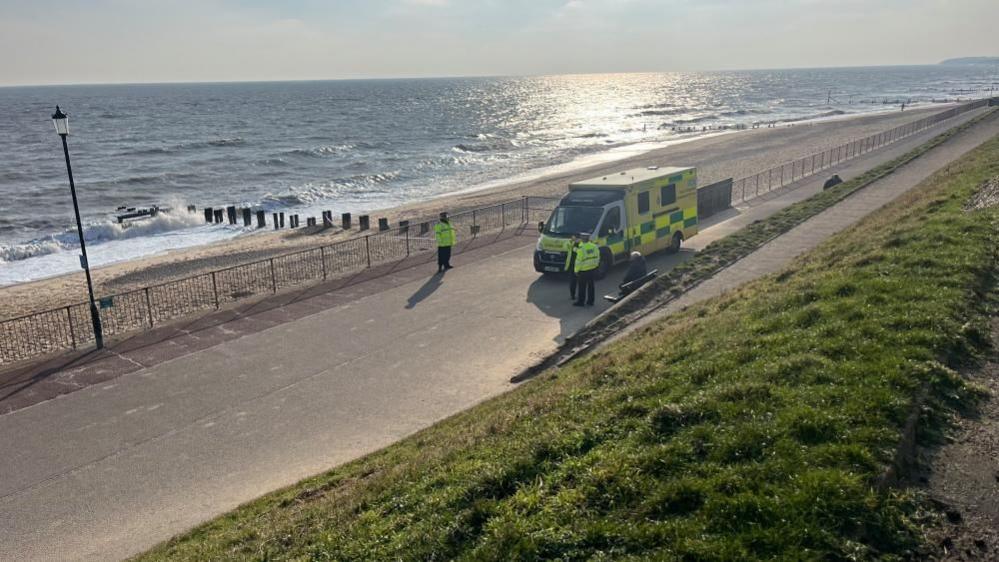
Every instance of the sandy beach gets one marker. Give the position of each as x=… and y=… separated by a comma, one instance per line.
x=732, y=154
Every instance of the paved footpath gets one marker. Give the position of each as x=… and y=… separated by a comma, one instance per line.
x=184, y=434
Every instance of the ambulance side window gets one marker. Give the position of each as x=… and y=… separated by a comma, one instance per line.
x=643, y=202
x=667, y=194
x=612, y=222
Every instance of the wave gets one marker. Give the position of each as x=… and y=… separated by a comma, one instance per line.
x=212, y=143
x=693, y=120
x=832, y=113
x=673, y=111
x=319, y=151
x=150, y=179
x=491, y=145
x=100, y=232
x=743, y=112
x=314, y=193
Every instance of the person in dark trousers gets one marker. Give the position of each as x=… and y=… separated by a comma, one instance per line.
x=636, y=268
x=587, y=262
x=570, y=266
x=445, y=241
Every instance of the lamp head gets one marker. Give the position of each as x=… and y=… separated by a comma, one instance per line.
x=61, y=121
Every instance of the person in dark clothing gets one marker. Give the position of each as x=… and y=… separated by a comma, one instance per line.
x=832, y=182
x=570, y=266
x=636, y=268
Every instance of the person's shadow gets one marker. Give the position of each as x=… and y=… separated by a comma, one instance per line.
x=425, y=290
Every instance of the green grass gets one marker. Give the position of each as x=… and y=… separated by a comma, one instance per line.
x=754, y=426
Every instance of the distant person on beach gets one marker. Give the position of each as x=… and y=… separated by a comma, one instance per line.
x=445, y=241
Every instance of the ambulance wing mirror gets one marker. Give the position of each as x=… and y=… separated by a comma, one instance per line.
x=541, y=226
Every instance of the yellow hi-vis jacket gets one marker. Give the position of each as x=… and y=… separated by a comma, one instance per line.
x=570, y=263
x=445, y=234
x=587, y=257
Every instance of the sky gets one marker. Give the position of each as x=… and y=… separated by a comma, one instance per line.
x=114, y=41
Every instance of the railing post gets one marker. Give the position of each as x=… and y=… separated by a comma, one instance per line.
x=273, y=277
x=215, y=290
x=72, y=332
x=322, y=257
x=523, y=210
x=407, y=242
x=367, y=249
x=502, y=217
x=149, y=307
x=770, y=179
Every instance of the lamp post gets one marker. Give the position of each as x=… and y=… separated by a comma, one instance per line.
x=62, y=127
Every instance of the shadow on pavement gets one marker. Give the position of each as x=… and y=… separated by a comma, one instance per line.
x=425, y=290
x=550, y=293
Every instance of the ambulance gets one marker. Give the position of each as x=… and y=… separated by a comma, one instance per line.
x=642, y=209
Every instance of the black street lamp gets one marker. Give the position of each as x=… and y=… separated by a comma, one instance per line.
x=62, y=127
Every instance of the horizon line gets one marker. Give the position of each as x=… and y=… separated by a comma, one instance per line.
x=447, y=77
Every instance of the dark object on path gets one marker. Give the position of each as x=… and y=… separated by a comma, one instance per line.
x=832, y=182
x=630, y=287
x=636, y=268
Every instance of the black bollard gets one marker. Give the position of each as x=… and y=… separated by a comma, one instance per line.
x=192, y=209
x=345, y=221
x=403, y=227
x=294, y=221
x=218, y=216
x=261, y=219
x=383, y=224
x=311, y=221
x=327, y=219
x=247, y=216
x=281, y=217
x=274, y=218
x=230, y=211
x=363, y=222
x=208, y=214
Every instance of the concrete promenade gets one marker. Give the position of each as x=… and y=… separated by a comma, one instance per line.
x=193, y=423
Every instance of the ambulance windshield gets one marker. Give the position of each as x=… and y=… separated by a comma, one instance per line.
x=566, y=221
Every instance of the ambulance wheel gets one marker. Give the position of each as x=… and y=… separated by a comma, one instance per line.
x=674, y=244
x=606, y=261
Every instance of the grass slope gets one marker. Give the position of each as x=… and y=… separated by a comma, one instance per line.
x=754, y=426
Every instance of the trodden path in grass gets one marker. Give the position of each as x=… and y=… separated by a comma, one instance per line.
x=108, y=470
x=780, y=252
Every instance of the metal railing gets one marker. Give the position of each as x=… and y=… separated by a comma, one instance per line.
x=70, y=327
x=779, y=176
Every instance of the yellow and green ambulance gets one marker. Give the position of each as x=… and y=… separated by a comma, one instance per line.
x=643, y=209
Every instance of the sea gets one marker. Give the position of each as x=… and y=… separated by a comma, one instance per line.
x=360, y=145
